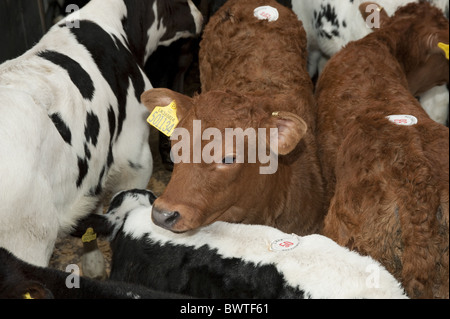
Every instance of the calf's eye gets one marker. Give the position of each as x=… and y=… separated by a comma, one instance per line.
x=231, y=159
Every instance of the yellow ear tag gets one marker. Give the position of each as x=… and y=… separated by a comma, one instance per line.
x=89, y=236
x=164, y=118
x=444, y=47
x=27, y=296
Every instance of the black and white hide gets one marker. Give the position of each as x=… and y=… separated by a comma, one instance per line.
x=72, y=128
x=233, y=260
x=20, y=280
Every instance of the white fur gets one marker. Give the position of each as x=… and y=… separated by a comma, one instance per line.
x=317, y=265
x=38, y=194
x=435, y=102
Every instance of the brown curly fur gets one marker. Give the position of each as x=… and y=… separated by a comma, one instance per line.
x=267, y=62
x=389, y=184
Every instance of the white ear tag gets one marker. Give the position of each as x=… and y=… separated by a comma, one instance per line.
x=266, y=13
x=403, y=120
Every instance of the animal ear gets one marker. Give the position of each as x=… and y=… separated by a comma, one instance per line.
x=374, y=14
x=163, y=97
x=443, y=49
x=439, y=44
x=290, y=130
x=32, y=290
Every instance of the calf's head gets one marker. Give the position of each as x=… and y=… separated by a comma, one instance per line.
x=225, y=149
x=419, y=33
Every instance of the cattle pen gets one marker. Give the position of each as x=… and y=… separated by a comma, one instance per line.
x=206, y=150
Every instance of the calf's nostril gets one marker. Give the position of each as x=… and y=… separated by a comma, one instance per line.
x=171, y=217
x=164, y=219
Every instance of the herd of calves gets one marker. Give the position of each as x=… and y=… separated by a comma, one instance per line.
x=357, y=206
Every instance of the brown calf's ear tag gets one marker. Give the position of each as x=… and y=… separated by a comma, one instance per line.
x=444, y=47
x=164, y=118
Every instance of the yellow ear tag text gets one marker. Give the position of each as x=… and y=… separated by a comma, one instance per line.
x=27, y=296
x=89, y=236
x=444, y=47
x=164, y=118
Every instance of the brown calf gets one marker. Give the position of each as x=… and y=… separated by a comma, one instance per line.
x=254, y=76
x=389, y=183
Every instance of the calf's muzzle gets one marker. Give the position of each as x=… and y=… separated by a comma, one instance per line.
x=164, y=219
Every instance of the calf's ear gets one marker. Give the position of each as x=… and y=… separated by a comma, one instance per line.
x=290, y=130
x=438, y=43
x=373, y=14
x=163, y=97
x=30, y=290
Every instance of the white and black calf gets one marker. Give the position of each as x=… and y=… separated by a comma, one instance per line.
x=20, y=280
x=233, y=260
x=72, y=128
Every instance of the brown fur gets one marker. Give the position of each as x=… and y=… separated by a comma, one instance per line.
x=250, y=69
x=389, y=184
